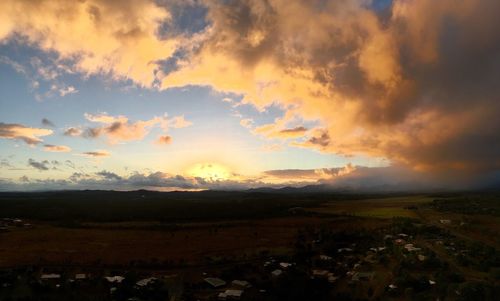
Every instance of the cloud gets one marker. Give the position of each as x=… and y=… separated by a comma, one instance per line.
x=46, y=122
x=178, y=122
x=119, y=128
x=109, y=175
x=272, y=147
x=293, y=132
x=121, y=38
x=246, y=122
x=162, y=140
x=273, y=131
x=42, y=165
x=56, y=148
x=67, y=90
x=97, y=153
x=321, y=174
x=417, y=85
x=318, y=139
x=4, y=163
x=20, y=132
x=73, y=132
x=347, y=178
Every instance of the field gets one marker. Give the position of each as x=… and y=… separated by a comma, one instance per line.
x=245, y=235
x=387, y=207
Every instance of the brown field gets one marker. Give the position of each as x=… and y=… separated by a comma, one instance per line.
x=120, y=244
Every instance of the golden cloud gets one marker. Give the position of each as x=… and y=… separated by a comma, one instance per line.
x=20, y=132
x=416, y=85
x=56, y=148
x=97, y=153
x=162, y=140
x=119, y=128
x=119, y=38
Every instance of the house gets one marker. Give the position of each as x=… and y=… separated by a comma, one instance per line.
x=325, y=257
x=332, y=278
x=80, y=276
x=365, y=276
x=115, y=279
x=215, y=282
x=241, y=283
x=399, y=241
x=411, y=248
x=145, y=282
x=276, y=273
x=341, y=250
x=50, y=276
x=285, y=265
x=445, y=221
x=421, y=257
x=231, y=294
x=320, y=273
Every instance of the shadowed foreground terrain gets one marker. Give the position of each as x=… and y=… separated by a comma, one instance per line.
x=281, y=245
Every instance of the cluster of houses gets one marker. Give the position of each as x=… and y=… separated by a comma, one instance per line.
x=235, y=290
x=7, y=223
x=56, y=280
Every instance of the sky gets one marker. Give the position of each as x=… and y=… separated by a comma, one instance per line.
x=213, y=94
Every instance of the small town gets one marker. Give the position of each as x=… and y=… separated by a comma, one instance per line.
x=403, y=259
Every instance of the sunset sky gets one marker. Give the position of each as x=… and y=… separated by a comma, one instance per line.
x=212, y=94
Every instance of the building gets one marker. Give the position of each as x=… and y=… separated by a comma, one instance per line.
x=50, y=276
x=276, y=273
x=115, y=279
x=231, y=294
x=215, y=282
x=364, y=276
x=285, y=265
x=241, y=283
x=80, y=276
x=145, y=282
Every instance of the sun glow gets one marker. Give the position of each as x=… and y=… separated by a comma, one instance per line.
x=210, y=171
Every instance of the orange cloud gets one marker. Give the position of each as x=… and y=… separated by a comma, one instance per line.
x=20, y=132
x=112, y=37
x=56, y=148
x=417, y=84
x=413, y=85
x=97, y=153
x=119, y=128
x=162, y=140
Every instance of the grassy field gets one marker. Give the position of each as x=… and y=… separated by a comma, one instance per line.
x=377, y=208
